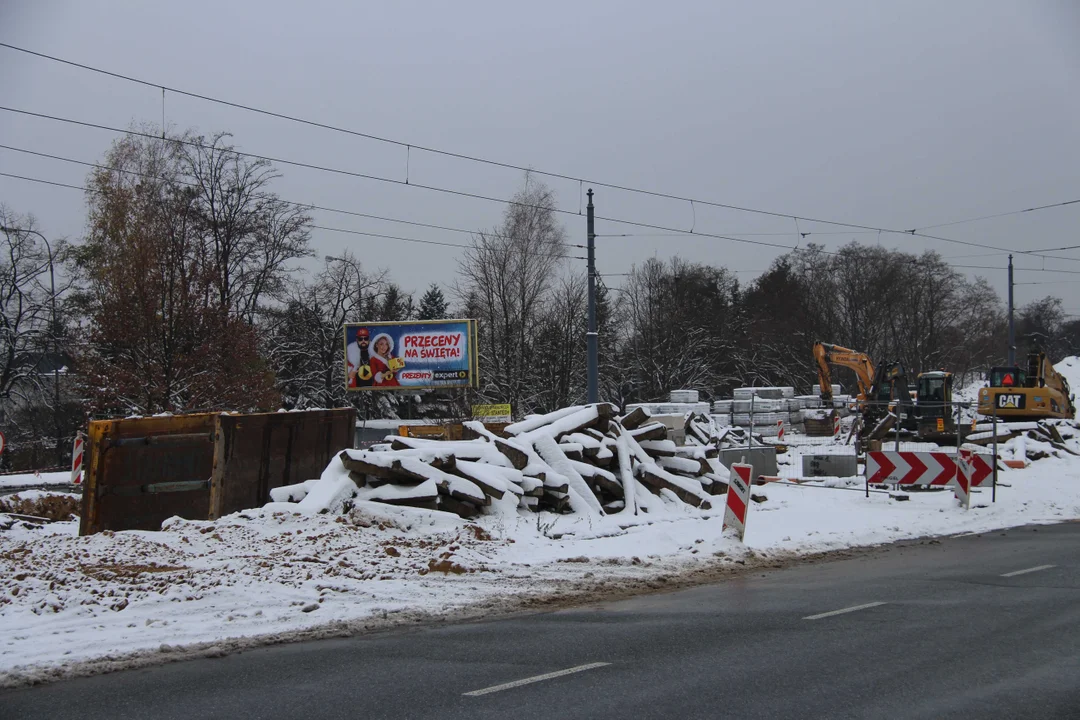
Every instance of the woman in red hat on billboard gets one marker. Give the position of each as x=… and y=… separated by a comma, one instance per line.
x=384, y=365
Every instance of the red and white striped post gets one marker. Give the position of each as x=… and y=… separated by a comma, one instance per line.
x=962, y=484
x=780, y=431
x=77, y=459
x=836, y=426
x=738, y=499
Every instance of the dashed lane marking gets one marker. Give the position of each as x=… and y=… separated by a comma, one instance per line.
x=844, y=610
x=536, y=678
x=1025, y=571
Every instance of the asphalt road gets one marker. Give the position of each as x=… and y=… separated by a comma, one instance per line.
x=972, y=627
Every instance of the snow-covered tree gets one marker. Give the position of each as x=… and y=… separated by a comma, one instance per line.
x=432, y=305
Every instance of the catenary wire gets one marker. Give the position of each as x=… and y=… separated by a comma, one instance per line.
x=351, y=173
x=461, y=193
x=309, y=206
x=410, y=146
x=502, y=201
x=1002, y=214
x=319, y=227
x=449, y=244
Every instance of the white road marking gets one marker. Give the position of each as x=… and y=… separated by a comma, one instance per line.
x=845, y=610
x=536, y=678
x=1037, y=568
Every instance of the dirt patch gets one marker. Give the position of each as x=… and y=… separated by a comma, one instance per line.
x=129, y=571
x=56, y=507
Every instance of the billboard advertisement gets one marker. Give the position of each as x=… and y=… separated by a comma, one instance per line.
x=411, y=355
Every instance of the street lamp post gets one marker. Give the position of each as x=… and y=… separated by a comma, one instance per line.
x=56, y=349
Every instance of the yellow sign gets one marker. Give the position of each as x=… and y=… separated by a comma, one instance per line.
x=941, y=424
x=492, y=411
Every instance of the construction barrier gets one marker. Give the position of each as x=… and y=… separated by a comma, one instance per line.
x=77, y=460
x=964, y=475
x=780, y=431
x=254, y=453
x=738, y=498
x=962, y=471
x=141, y=471
x=836, y=426
x=889, y=467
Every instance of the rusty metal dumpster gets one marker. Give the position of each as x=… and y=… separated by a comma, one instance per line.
x=142, y=471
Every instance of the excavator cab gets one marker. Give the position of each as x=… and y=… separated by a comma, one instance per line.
x=1006, y=377
x=1037, y=392
x=934, y=401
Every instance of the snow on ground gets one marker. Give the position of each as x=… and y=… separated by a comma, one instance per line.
x=27, y=479
x=70, y=605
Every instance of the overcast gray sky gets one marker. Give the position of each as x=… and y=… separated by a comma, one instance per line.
x=896, y=115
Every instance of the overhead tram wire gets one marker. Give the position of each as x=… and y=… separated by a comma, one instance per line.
x=306, y=206
x=477, y=196
x=410, y=146
x=685, y=233
x=432, y=242
x=999, y=215
x=459, y=193
x=319, y=227
x=365, y=176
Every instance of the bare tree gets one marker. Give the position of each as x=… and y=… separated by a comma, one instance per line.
x=250, y=236
x=681, y=322
x=26, y=331
x=304, y=337
x=506, y=277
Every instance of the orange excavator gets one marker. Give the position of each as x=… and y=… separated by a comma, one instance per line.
x=878, y=386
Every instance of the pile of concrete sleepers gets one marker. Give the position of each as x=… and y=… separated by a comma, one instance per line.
x=582, y=459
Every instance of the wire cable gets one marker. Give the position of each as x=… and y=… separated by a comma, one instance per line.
x=319, y=227
x=998, y=215
x=308, y=206
x=501, y=201
x=409, y=146
x=365, y=176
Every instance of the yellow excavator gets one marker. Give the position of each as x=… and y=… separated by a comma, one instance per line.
x=1037, y=392
x=878, y=386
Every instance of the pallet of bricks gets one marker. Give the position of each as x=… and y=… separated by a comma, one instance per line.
x=583, y=459
x=819, y=417
x=766, y=407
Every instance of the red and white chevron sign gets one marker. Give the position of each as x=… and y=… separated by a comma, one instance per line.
x=836, y=426
x=780, y=431
x=738, y=498
x=923, y=468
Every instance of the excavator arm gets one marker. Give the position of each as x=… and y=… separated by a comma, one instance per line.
x=827, y=354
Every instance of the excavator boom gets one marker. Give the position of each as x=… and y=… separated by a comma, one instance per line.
x=827, y=353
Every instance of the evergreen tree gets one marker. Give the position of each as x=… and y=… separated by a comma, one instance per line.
x=432, y=304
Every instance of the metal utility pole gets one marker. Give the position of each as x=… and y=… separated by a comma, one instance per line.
x=56, y=349
x=593, y=356
x=1012, y=333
